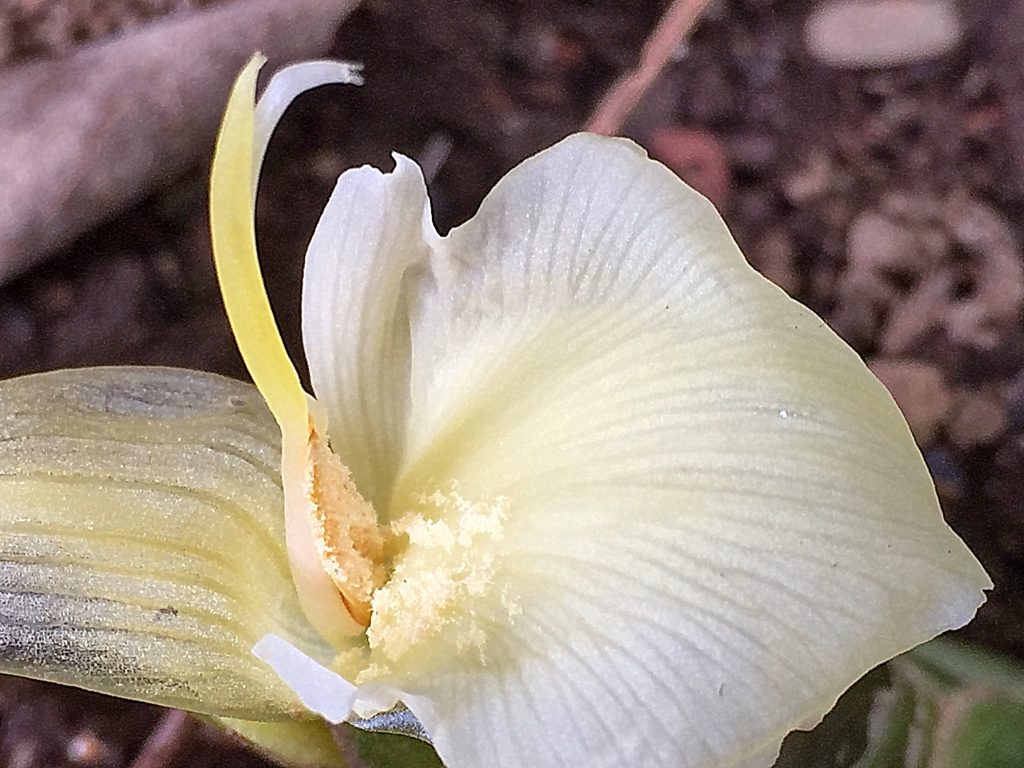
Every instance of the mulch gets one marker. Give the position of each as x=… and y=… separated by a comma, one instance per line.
x=888, y=200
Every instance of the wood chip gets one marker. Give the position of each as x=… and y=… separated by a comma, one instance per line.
x=697, y=157
x=920, y=391
x=979, y=419
x=881, y=33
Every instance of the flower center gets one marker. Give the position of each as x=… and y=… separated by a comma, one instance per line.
x=442, y=580
x=431, y=574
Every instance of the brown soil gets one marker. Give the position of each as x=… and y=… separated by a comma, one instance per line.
x=821, y=173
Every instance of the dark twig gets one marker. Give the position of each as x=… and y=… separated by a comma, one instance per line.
x=165, y=742
x=622, y=98
x=85, y=136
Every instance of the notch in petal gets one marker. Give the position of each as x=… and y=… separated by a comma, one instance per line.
x=364, y=268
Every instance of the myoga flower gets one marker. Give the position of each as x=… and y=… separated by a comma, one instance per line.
x=578, y=487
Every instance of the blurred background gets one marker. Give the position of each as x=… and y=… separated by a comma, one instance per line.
x=867, y=155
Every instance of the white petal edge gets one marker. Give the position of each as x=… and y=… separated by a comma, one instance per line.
x=335, y=699
x=318, y=688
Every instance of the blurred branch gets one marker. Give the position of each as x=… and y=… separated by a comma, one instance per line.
x=166, y=741
x=85, y=136
x=1008, y=37
x=622, y=98
x=347, y=746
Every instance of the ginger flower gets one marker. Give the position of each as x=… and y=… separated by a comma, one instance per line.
x=578, y=487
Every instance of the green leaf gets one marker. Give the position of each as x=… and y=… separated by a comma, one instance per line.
x=990, y=736
x=942, y=705
x=956, y=664
x=841, y=738
x=388, y=750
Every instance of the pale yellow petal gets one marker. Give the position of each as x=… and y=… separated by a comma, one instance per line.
x=657, y=513
x=232, y=225
x=142, y=538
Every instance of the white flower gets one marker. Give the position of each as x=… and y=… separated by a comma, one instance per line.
x=596, y=493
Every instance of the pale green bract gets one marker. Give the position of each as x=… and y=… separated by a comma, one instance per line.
x=663, y=514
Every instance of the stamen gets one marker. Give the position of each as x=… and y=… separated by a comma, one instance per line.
x=319, y=496
x=232, y=225
x=345, y=529
x=443, y=583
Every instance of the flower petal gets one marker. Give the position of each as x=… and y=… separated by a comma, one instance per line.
x=365, y=261
x=281, y=92
x=141, y=539
x=661, y=514
x=241, y=145
x=320, y=690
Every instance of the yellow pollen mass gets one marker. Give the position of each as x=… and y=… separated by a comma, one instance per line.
x=442, y=577
x=345, y=530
